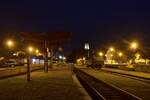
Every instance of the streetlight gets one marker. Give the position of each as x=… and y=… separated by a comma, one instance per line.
x=120, y=54
x=64, y=58
x=37, y=51
x=100, y=54
x=60, y=56
x=111, y=49
x=111, y=55
x=30, y=50
x=134, y=45
x=9, y=43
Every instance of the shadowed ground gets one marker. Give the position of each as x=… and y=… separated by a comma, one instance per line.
x=55, y=85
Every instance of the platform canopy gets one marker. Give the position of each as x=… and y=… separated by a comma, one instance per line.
x=51, y=37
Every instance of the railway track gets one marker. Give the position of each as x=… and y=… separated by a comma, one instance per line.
x=145, y=80
x=100, y=90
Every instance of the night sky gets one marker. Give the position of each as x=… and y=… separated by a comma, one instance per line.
x=102, y=22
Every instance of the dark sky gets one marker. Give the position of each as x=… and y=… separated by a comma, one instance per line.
x=99, y=21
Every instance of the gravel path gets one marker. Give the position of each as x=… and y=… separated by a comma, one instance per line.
x=55, y=85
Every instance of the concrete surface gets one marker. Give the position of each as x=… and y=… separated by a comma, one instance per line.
x=57, y=84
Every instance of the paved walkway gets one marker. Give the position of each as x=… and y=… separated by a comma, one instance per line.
x=133, y=73
x=55, y=85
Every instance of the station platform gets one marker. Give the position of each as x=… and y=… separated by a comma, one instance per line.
x=57, y=84
x=131, y=73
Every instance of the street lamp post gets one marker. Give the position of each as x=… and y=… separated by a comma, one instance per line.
x=120, y=54
x=28, y=68
x=46, y=56
x=10, y=44
x=30, y=50
x=133, y=46
x=101, y=54
x=111, y=50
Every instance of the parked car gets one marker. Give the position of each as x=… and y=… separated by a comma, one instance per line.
x=3, y=64
x=11, y=63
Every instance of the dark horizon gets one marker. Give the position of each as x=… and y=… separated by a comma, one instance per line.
x=101, y=22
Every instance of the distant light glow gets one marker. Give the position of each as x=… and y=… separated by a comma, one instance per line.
x=40, y=54
x=134, y=45
x=84, y=58
x=64, y=58
x=120, y=54
x=86, y=46
x=60, y=49
x=111, y=49
x=33, y=60
x=14, y=54
x=30, y=49
x=137, y=55
x=37, y=51
x=60, y=57
x=10, y=43
x=101, y=54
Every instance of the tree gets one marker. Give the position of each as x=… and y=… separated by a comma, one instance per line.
x=20, y=54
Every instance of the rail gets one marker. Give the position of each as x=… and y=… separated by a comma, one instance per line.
x=135, y=77
x=99, y=90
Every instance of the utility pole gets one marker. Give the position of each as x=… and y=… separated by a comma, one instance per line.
x=45, y=57
x=28, y=69
x=51, y=57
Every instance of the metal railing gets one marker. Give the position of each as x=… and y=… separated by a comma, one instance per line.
x=14, y=71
